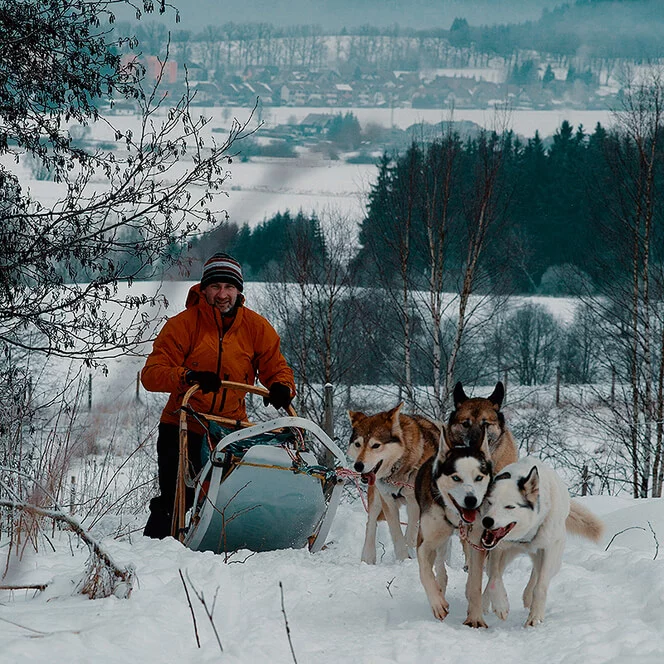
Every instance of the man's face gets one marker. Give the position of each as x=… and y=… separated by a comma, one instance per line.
x=221, y=296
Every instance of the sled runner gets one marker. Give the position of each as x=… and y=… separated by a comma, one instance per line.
x=264, y=486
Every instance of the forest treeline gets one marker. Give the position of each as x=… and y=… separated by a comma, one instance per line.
x=557, y=212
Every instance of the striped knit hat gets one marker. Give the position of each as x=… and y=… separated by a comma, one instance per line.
x=222, y=268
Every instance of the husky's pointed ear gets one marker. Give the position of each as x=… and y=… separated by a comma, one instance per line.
x=445, y=444
x=355, y=417
x=497, y=396
x=393, y=417
x=459, y=395
x=529, y=486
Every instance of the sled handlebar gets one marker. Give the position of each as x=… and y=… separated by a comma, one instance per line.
x=230, y=385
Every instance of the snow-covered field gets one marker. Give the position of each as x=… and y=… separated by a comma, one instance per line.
x=603, y=606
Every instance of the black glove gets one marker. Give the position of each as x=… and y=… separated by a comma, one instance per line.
x=280, y=396
x=208, y=380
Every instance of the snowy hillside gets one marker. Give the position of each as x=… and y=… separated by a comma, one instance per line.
x=603, y=607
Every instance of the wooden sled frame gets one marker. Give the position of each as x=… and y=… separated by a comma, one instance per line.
x=249, y=430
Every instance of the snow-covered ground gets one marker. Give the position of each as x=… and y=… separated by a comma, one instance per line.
x=604, y=606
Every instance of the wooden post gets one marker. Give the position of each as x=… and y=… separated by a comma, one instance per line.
x=90, y=391
x=328, y=422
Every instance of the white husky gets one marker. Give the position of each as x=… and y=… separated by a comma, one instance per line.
x=526, y=510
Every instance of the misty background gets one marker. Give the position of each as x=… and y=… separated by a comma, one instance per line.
x=336, y=14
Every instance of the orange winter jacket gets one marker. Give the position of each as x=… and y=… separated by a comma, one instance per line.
x=194, y=339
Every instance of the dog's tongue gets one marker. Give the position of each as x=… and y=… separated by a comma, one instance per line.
x=369, y=478
x=469, y=515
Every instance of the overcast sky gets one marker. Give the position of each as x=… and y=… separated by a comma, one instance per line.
x=335, y=14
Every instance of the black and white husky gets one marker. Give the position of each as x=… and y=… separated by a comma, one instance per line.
x=449, y=489
x=526, y=510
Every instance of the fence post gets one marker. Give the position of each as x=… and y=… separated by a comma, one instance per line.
x=328, y=420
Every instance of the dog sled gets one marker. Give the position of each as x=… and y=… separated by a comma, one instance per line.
x=263, y=486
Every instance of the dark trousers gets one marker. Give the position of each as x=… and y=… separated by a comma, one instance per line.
x=158, y=525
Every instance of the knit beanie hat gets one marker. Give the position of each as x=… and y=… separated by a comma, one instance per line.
x=222, y=268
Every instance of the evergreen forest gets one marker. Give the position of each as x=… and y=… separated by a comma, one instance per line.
x=561, y=214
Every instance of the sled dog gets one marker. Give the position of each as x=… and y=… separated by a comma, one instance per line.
x=527, y=510
x=472, y=415
x=388, y=448
x=449, y=489
x=466, y=425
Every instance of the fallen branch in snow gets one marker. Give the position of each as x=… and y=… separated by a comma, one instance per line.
x=38, y=632
x=28, y=586
x=103, y=576
x=620, y=532
x=191, y=608
x=283, y=610
x=652, y=530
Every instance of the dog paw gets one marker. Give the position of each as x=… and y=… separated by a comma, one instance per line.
x=475, y=622
x=440, y=611
x=502, y=612
x=402, y=553
x=369, y=558
x=439, y=606
x=534, y=619
x=500, y=604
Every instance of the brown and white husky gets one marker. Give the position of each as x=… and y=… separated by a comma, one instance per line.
x=388, y=449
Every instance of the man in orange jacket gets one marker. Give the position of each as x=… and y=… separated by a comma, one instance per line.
x=215, y=338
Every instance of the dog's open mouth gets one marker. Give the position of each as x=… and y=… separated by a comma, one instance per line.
x=467, y=515
x=490, y=538
x=370, y=477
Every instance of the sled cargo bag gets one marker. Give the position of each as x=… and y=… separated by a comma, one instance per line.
x=255, y=494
